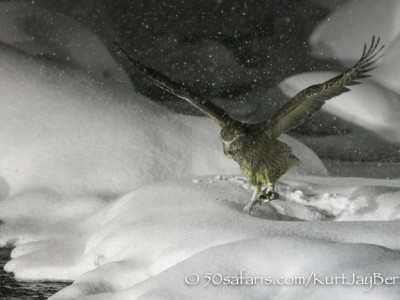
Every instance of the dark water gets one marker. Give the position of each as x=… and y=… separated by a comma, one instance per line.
x=11, y=289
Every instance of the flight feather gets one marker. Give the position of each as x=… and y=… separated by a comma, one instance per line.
x=167, y=84
x=307, y=102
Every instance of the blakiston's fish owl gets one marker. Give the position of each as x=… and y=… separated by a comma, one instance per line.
x=263, y=158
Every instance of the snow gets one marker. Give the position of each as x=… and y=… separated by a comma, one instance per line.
x=102, y=187
x=352, y=24
x=389, y=70
x=343, y=34
x=80, y=142
x=141, y=240
x=284, y=259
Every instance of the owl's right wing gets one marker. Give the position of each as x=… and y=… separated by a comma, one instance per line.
x=307, y=102
x=165, y=83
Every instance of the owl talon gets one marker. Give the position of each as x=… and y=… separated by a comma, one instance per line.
x=272, y=195
x=261, y=199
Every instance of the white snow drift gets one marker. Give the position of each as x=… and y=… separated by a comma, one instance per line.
x=153, y=237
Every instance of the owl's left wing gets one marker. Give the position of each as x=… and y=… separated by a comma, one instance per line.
x=165, y=83
x=310, y=100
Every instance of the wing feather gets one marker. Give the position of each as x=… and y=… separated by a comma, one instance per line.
x=307, y=102
x=165, y=83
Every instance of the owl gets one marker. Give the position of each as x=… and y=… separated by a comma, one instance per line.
x=262, y=158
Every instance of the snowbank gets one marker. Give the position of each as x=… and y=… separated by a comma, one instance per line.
x=172, y=229
x=61, y=130
x=271, y=258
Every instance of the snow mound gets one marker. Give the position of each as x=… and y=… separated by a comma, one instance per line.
x=86, y=137
x=82, y=142
x=277, y=262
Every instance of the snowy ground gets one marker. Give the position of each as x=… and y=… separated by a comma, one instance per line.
x=146, y=242
x=132, y=201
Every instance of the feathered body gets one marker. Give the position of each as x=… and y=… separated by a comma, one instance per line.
x=259, y=169
x=255, y=147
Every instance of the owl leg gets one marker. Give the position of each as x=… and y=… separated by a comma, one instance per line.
x=253, y=200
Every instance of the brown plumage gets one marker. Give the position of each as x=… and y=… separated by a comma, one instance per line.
x=263, y=158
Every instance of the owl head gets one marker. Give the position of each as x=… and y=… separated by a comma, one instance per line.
x=233, y=137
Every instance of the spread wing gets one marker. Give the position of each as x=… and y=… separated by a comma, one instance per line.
x=165, y=83
x=309, y=101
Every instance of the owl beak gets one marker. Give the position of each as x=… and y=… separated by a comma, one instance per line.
x=228, y=151
x=229, y=147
